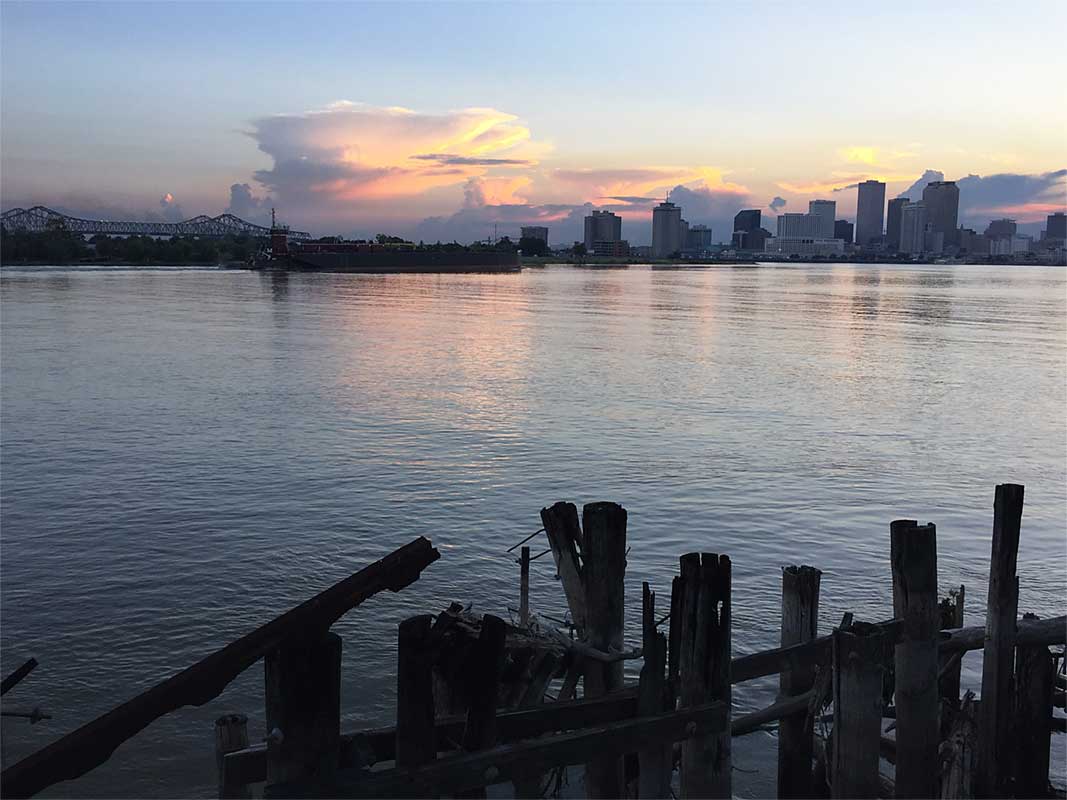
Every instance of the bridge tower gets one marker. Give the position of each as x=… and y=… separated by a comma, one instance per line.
x=279, y=238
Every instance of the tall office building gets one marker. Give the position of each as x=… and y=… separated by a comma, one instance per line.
x=892, y=222
x=602, y=226
x=802, y=226
x=1000, y=228
x=825, y=210
x=698, y=239
x=843, y=231
x=666, y=229
x=913, y=228
x=942, y=199
x=534, y=232
x=747, y=220
x=870, y=208
x=1056, y=226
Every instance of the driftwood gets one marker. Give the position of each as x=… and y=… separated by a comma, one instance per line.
x=12, y=680
x=93, y=743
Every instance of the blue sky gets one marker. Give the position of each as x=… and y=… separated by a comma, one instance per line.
x=111, y=107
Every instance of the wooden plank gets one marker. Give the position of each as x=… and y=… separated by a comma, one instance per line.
x=564, y=536
x=603, y=570
x=530, y=785
x=783, y=709
x=655, y=762
x=416, y=740
x=950, y=610
x=231, y=734
x=463, y=771
x=479, y=733
x=13, y=680
x=800, y=623
x=998, y=660
x=524, y=587
x=857, y=669
x=1033, y=719
x=93, y=743
x=959, y=749
x=913, y=554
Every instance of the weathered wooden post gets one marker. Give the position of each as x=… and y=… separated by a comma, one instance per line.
x=655, y=767
x=704, y=669
x=416, y=741
x=303, y=699
x=524, y=587
x=913, y=551
x=603, y=570
x=565, y=538
x=231, y=734
x=857, y=676
x=950, y=610
x=800, y=623
x=993, y=764
x=1033, y=716
x=483, y=678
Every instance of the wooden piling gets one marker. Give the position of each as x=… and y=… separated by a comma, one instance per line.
x=913, y=550
x=950, y=610
x=704, y=669
x=1033, y=718
x=415, y=732
x=565, y=538
x=857, y=677
x=800, y=623
x=993, y=764
x=524, y=587
x=603, y=570
x=483, y=676
x=655, y=762
x=231, y=734
x=303, y=700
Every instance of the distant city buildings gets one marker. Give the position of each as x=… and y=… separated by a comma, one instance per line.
x=942, y=200
x=825, y=211
x=747, y=234
x=534, y=232
x=1056, y=226
x=1000, y=228
x=698, y=240
x=912, y=228
x=892, y=222
x=794, y=225
x=611, y=249
x=870, y=207
x=602, y=226
x=803, y=246
x=747, y=220
x=667, y=231
x=843, y=231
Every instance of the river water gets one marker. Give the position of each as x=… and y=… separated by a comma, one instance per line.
x=186, y=453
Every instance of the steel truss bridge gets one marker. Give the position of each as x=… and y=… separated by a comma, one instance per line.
x=39, y=219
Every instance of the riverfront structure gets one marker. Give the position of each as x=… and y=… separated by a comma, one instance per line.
x=892, y=222
x=666, y=229
x=602, y=226
x=942, y=199
x=870, y=207
x=825, y=211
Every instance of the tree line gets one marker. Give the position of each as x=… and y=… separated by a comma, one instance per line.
x=63, y=247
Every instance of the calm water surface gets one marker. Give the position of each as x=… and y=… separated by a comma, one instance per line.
x=188, y=453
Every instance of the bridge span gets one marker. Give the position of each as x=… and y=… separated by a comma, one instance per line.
x=39, y=219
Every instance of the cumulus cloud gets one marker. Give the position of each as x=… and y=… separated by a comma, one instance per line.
x=1027, y=198
x=915, y=191
x=777, y=204
x=473, y=222
x=171, y=209
x=244, y=204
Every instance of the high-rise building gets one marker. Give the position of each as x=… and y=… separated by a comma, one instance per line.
x=534, y=232
x=893, y=222
x=942, y=199
x=802, y=226
x=825, y=210
x=698, y=240
x=843, y=230
x=1056, y=226
x=913, y=228
x=602, y=226
x=747, y=220
x=999, y=228
x=683, y=233
x=870, y=208
x=755, y=241
x=666, y=229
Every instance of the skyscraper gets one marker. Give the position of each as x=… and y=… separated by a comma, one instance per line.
x=942, y=199
x=802, y=226
x=892, y=222
x=913, y=228
x=747, y=220
x=602, y=226
x=870, y=206
x=534, y=232
x=666, y=229
x=843, y=231
x=698, y=239
x=1000, y=228
x=1056, y=226
x=825, y=210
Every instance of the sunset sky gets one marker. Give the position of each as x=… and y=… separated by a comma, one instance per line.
x=438, y=121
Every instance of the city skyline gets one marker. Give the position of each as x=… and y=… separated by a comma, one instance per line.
x=445, y=144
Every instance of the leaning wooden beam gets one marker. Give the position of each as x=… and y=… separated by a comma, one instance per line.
x=564, y=537
x=785, y=708
x=12, y=680
x=1027, y=632
x=503, y=763
x=92, y=744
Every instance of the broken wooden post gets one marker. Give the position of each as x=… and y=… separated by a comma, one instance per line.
x=913, y=552
x=231, y=734
x=1033, y=718
x=957, y=774
x=483, y=678
x=998, y=657
x=415, y=733
x=674, y=638
x=524, y=587
x=950, y=610
x=857, y=677
x=603, y=571
x=800, y=623
x=303, y=698
x=655, y=767
x=704, y=669
x=565, y=538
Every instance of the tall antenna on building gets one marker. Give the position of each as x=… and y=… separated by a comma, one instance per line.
x=272, y=222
